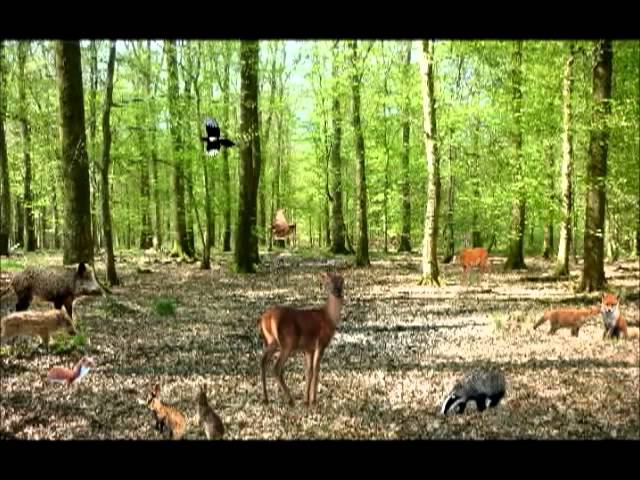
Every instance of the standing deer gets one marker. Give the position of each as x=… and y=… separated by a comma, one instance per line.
x=310, y=330
x=473, y=257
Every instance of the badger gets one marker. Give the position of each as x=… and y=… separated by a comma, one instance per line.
x=478, y=385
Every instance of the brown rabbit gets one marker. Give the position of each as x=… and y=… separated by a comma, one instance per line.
x=166, y=415
x=207, y=418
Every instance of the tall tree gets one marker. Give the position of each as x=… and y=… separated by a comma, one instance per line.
x=338, y=228
x=430, y=272
x=362, y=246
x=548, y=227
x=405, y=237
x=182, y=246
x=142, y=117
x=515, y=257
x=112, y=276
x=94, y=163
x=246, y=240
x=27, y=196
x=5, y=194
x=151, y=90
x=223, y=79
x=593, y=271
x=78, y=240
x=448, y=230
x=205, y=264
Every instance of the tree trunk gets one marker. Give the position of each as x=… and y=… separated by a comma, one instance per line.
x=449, y=240
x=430, y=272
x=245, y=231
x=226, y=181
x=476, y=235
x=27, y=195
x=181, y=246
x=593, y=273
x=205, y=264
x=566, y=169
x=94, y=174
x=146, y=231
x=157, y=230
x=385, y=142
x=405, y=237
x=257, y=163
x=548, y=228
x=78, y=239
x=515, y=257
x=277, y=199
x=362, y=246
x=5, y=193
x=19, y=224
x=146, y=236
x=338, y=228
x=112, y=276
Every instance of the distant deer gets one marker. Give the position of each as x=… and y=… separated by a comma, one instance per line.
x=310, y=330
x=473, y=257
x=280, y=228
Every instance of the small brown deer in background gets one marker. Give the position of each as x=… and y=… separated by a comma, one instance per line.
x=166, y=415
x=473, y=257
x=310, y=330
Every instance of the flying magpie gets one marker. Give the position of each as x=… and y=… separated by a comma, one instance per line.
x=213, y=142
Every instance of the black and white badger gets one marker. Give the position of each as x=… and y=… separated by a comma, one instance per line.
x=478, y=385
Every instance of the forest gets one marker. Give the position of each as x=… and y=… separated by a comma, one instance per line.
x=447, y=193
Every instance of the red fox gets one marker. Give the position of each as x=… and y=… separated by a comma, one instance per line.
x=614, y=322
x=60, y=286
x=68, y=376
x=166, y=415
x=473, y=257
x=36, y=323
x=289, y=330
x=567, y=318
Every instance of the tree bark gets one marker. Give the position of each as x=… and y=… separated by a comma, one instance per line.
x=19, y=223
x=362, y=246
x=205, y=264
x=112, y=276
x=566, y=169
x=593, y=272
x=5, y=193
x=226, y=181
x=515, y=257
x=78, y=239
x=430, y=271
x=548, y=228
x=245, y=231
x=94, y=166
x=146, y=233
x=151, y=111
x=449, y=240
x=338, y=228
x=405, y=237
x=181, y=246
x=27, y=195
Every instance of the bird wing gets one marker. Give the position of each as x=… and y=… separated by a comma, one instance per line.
x=226, y=142
x=213, y=130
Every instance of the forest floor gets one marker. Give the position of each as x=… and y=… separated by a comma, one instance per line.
x=393, y=359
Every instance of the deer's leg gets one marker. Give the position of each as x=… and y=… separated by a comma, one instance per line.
x=317, y=356
x=278, y=369
x=308, y=359
x=266, y=355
